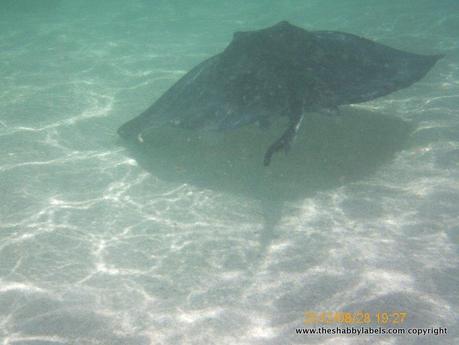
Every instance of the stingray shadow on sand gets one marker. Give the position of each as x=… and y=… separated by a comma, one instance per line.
x=328, y=152
x=206, y=130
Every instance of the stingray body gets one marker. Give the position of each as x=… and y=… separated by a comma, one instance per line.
x=282, y=70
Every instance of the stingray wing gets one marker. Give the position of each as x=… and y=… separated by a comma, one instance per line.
x=213, y=95
x=351, y=69
x=188, y=103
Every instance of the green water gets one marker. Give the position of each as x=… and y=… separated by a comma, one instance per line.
x=100, y=244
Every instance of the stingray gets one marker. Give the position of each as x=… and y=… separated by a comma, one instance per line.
x=282, y=70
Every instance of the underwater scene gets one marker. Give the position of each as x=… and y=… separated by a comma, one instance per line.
x=229, y=172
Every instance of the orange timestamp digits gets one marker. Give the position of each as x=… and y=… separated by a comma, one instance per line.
x=354, y=318
x=391, y=317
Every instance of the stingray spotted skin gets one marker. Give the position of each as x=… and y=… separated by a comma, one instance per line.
x=282, y=70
